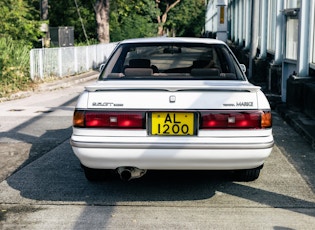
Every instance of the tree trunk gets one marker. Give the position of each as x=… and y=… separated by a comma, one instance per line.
x=44, y=10
x=102, y=20
x=162, y=18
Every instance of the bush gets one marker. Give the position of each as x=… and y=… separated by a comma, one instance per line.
x=14, y=66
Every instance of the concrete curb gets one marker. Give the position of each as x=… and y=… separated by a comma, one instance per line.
x=67, y=82
x=57, y=84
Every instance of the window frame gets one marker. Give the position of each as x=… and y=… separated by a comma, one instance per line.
x=116, y=62
x=312, y=36
x=292, y=38
x=272, y=21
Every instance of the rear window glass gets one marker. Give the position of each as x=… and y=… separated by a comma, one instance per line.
x=172, y=61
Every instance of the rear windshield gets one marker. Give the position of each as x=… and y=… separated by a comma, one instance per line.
x=172, y=61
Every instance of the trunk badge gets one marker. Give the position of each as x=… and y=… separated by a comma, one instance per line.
x=172, y=99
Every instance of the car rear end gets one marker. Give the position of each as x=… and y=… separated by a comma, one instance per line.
x=173, y=124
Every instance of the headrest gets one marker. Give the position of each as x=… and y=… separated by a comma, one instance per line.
x=205, y=72
x=200, y=63
x=139, y=63
x=131, y=72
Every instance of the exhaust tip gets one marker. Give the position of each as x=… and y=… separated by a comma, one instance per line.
x=125, y=175
x=128, y=173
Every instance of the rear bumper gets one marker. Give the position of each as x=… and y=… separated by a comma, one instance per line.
x=207, y=146
x=206, y=155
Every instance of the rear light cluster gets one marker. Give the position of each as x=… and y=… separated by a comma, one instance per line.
x=100, y=119
x=208, y=119
x=235, y=120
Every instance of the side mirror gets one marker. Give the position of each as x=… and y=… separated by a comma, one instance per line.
x=101, y=67
x=243, y=68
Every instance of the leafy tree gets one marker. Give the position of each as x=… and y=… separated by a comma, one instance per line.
x=187, y=18
x=128, y=18
x=17, y=21
x=132, y=19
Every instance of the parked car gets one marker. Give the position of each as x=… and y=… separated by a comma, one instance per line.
x=172, y=104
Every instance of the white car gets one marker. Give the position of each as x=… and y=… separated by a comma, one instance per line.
x=172, y=104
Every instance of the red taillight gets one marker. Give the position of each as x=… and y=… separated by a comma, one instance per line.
x=101, y=119
x=235, y=120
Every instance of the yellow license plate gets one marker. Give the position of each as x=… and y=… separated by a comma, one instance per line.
x=170, y=123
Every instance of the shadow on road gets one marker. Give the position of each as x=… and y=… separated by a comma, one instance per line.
x=36, y=136
x=296, y=149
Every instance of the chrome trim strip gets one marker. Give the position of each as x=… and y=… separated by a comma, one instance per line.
x=123, y=145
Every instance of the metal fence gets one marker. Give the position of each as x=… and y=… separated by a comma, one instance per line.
x=66, y=61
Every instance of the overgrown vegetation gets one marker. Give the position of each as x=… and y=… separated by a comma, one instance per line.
x=14, y=66
x=19, y=32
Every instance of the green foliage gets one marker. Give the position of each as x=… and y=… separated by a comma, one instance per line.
x=17, y=20
x=129, y=18
x=138, y=18
x=132, y=19
x=187, y=18
x=19, y=31
x=14, y=66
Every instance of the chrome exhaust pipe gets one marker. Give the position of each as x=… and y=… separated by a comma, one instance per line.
x=129, y=173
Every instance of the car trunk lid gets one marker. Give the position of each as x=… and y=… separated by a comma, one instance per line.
x=172, y=95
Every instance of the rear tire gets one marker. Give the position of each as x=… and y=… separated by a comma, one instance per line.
x=94, y=175
x=247, y=174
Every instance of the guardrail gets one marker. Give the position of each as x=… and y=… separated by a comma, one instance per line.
x=67, y=61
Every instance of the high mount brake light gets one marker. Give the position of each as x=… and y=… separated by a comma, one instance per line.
x=235, y=119
x=103, y=119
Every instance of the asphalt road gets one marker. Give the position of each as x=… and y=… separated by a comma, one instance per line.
x=43, y=187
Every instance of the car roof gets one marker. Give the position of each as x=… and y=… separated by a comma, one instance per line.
x=173, y=40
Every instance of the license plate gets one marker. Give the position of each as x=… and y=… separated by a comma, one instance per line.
x=170, y=123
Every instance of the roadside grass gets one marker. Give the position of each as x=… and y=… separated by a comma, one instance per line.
x=14, y=67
